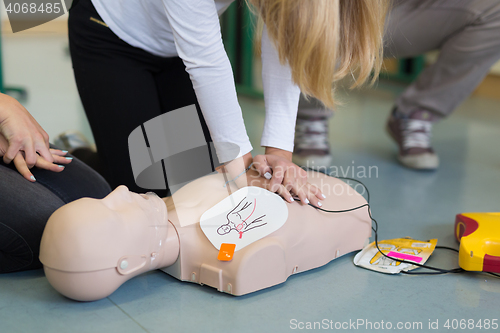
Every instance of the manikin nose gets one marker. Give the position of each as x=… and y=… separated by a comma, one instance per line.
x=122, y=188
x=119, y=191
x=117, y=197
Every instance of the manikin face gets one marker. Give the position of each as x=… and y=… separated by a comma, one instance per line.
x=135, y=209
x=90, y=234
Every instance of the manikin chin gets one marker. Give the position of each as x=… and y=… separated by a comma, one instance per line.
x=90, y=247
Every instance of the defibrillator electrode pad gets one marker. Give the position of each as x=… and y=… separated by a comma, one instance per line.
x=247, y=215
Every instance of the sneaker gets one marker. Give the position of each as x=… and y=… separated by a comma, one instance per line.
x=413, y=136
x=72, y=140
x=311, y=143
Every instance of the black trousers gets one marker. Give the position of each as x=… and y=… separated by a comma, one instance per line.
x=25, y=208
x=121, y=87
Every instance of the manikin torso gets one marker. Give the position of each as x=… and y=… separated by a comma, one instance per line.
x=310, y=238
x=89, y=256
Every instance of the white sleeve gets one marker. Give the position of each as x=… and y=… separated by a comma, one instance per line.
x=281, y=97
x=196, y=29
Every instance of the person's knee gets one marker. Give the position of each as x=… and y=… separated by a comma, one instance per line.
x=25, y=208
x=21, y=231
x=15, y=253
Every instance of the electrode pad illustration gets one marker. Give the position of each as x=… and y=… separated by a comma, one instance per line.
x=244, y=217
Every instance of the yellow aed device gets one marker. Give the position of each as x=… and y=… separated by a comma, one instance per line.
x=479, y=237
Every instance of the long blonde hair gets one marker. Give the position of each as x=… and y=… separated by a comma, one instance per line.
x=325, y=40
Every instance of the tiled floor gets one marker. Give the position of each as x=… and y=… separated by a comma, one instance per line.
x=406, y=203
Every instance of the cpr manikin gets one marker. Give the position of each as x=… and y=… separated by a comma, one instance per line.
x=90, y=247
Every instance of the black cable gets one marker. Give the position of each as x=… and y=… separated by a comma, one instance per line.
x=436, y=269
x=360, y=182
x=439, y=270
x=452, y=249
x=446, y=248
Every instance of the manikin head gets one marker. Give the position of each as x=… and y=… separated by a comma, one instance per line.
x=99, y=244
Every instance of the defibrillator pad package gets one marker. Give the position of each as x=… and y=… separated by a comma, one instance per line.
x=407, y=249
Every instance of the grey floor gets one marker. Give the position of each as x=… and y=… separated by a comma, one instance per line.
x=406, y=203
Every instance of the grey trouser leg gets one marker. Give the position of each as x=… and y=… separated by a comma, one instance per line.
x=467, y=32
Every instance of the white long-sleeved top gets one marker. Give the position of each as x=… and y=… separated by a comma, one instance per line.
x=190, y=29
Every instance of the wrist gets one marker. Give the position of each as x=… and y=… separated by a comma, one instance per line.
x=279, y=152
x=236, y=166
x=235, y=170
x=240, y=180
x=244, y=161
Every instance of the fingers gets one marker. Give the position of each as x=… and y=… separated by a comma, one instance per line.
x=23, y=133
x=30, y=155
x=44, y=164
x=278, y=176
x=62, y=159
x=58, y=152
x=296, y=182
x=302, y=195
x=29, y=149
x=283, y=172
x=22, y=167
x=41, y=142
x=284, y=193
x=44, y=151
x=316, y=192
x=12, y=151
x=59, y=156
x=45, y=137
x=287, y=184
x=314, y=195
x=261, y=164
x=287, y=179
x=37, y=128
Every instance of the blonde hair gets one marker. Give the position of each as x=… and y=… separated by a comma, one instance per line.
x=325, y=40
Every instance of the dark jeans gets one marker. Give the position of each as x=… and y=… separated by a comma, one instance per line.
x=121, y=87
x=25, y=208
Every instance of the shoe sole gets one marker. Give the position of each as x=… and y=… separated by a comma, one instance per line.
x=313, y=161
x=423, y=162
